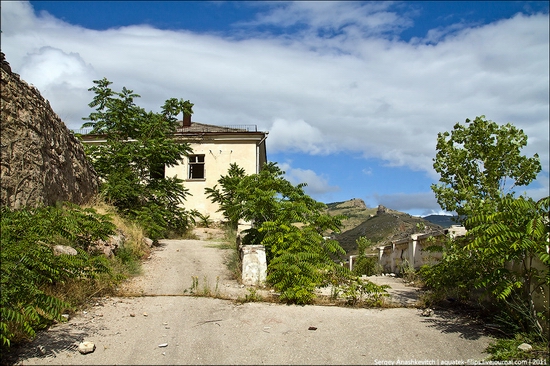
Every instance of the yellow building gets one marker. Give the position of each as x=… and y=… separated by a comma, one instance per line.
x=214, y=149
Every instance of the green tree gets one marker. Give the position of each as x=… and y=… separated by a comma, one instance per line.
x=226, y=195
x=364, y=265
x=132, y=161
x=512, y=240
x=479, y=163
x=290, y=224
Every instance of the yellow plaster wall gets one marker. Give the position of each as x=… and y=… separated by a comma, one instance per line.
x=218, y=155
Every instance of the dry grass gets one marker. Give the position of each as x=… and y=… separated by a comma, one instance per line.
x=134, y=234
x=125, y=264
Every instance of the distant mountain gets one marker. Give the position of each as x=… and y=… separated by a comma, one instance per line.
x=444, y=221
x=380, y=225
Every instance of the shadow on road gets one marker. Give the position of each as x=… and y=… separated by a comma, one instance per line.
x=403, y=297
x=448, y=322
x=47, y=344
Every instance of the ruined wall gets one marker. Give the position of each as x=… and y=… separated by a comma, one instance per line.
x=42, y=162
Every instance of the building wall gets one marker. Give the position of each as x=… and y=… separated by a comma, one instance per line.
x=218, y=155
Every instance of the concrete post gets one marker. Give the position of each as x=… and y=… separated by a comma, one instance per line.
x=254, y=270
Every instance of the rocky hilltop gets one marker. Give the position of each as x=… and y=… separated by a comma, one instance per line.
x=42, y=161
x=380, y=225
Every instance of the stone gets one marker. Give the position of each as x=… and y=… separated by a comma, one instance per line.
x=86, y=347
x=42, y=161
x=163, y=345
x=526, y=347
x=64, y=249
x=147, y=242
x=110, y=246
x=427, y=312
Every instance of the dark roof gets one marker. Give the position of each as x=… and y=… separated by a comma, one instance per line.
x=197, y=127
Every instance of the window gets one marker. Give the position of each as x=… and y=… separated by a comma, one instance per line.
x=196, y=167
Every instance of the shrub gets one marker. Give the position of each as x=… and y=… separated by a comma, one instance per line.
x=357, y=291
x=28, y=265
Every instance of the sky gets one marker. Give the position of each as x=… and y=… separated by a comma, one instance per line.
x=353, y=94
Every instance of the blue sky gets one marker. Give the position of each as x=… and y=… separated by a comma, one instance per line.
x=353, y=94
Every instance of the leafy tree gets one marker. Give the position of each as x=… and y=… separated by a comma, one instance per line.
x=131, y=162
x=513, y=239
x=226, y=195
x=289, y=223
x=479, y=163
x=364, y=265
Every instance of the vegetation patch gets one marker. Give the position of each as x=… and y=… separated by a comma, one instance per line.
x=38, y=286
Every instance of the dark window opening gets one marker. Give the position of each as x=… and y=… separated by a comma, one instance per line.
x=196, y=167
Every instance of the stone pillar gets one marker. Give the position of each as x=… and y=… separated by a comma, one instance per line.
x=412, y=249
x=254, y=270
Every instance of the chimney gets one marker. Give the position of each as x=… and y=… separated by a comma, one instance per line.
x=186, y=120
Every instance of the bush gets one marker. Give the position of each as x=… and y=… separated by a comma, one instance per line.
x=28, y=265
x=357, y=291
x=365, y=266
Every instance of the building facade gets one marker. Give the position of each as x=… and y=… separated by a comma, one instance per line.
x=214, y=149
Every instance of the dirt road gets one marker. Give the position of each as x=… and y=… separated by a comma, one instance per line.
x=164, y=327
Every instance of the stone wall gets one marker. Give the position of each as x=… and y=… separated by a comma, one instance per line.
x=42, y=161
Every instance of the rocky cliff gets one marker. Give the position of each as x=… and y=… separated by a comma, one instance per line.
x=42, y=161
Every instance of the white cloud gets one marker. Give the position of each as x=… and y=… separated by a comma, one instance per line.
x=298, y=136
x=367, y=171
x=347, y=17
x=60, y=76
x=317, y=185
x=344, y=83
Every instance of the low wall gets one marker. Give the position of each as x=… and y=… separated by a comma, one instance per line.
x=412, y=251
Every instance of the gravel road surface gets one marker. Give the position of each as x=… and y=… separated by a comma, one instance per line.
x=164, y=327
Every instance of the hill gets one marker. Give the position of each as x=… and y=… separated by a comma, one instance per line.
x=355, y=209
x=380, y=225
x=441, y=220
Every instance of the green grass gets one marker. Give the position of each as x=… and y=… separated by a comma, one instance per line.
x=506, y=349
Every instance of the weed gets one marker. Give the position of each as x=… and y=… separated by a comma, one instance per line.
x=206, y=287
x=195, y=286
x=357, y=291
x=252, y=296
x=406, y=271
x=505, y=349
x=204, y=290
x=204, y=220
